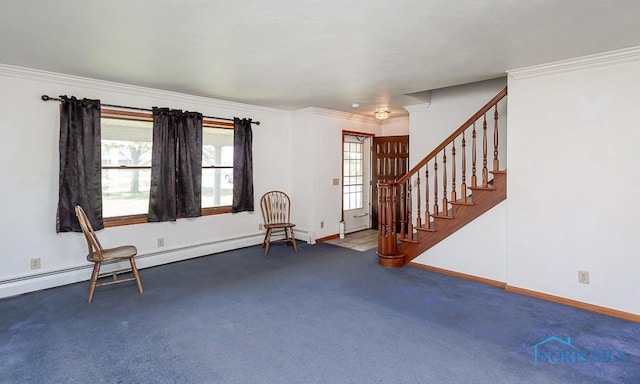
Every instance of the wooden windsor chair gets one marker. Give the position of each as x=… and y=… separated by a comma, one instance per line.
x=276, y=212
x=98, y=255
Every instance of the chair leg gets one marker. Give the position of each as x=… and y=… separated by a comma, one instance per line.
x=293, y=240
x=136, y=275
x=94, y=280
x=264, y=241
x=267, y=241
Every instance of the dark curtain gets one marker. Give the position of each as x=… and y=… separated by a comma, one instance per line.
x=176, y=165
x=189, y=168
x=80, y=179
x=242, y=166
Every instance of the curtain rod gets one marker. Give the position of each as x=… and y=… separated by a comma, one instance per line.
x=48, y=98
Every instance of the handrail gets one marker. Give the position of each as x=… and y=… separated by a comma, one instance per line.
x=452, y=136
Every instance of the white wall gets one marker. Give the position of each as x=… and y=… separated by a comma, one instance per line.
x=29, y=161
x=477, y=249
x=432, y=122
x=317, y=141
x=395, y=126
x=303, y=181
x=573, y=178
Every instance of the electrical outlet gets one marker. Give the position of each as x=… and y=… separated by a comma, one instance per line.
x=260, y=227
x=160, y=242
x=583, y=277
x=336, y=181
x=322, y=224
x=35, y=263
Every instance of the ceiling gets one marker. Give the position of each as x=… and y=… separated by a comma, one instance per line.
x=296, y=54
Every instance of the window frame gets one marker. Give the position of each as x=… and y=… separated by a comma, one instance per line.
x=119, y=114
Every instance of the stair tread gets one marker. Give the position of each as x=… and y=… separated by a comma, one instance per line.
x=439, y=216
x=425, y=229
x=481, y=188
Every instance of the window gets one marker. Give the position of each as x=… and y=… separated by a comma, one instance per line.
x=126, y=166
x=353, y=177
x=217, y=167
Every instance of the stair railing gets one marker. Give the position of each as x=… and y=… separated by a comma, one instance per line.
x=435, y=181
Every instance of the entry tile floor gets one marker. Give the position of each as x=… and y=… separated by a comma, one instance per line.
x=359, y=241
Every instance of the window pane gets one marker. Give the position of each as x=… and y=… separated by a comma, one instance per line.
x=358, y=152
x=217, y=183
x=352, y=201
x=355, y=168
x=217, y=147
x=217, y=187
x=125, y=192
x=126, y=142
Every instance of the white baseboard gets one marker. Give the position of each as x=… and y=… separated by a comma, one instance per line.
x=55, y=278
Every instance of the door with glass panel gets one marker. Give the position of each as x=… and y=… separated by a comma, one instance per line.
x=356, y=182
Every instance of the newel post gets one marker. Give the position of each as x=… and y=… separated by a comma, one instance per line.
x=388, y=255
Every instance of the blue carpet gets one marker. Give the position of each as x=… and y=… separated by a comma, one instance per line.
x=324, y=315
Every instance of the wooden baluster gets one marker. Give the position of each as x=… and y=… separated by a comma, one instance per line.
x=426, y=195
x=409, y=205
x=453, y=171
x=385, y=211
x=394, y=215
x=382, y=219
x=445, y=201
x=474, y=178
x=463, y=186
x=485, y=170
x=496, y=166
x=403, y=210
x=436, y=209
x=418, y=214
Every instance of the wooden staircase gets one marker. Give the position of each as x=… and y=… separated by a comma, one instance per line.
x=401, y=236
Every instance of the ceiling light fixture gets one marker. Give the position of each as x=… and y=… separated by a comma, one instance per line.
x=382, y=114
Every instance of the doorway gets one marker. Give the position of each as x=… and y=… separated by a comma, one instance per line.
x=356, y=181
x=367, y=161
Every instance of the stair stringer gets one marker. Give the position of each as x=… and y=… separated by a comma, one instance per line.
x=483, y=201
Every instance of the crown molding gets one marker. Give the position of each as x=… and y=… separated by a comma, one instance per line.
x=417, y=107
x=135, y=90
x=591, y=61
x=339, y=114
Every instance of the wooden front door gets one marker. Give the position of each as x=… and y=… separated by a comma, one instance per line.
x=390, y=161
